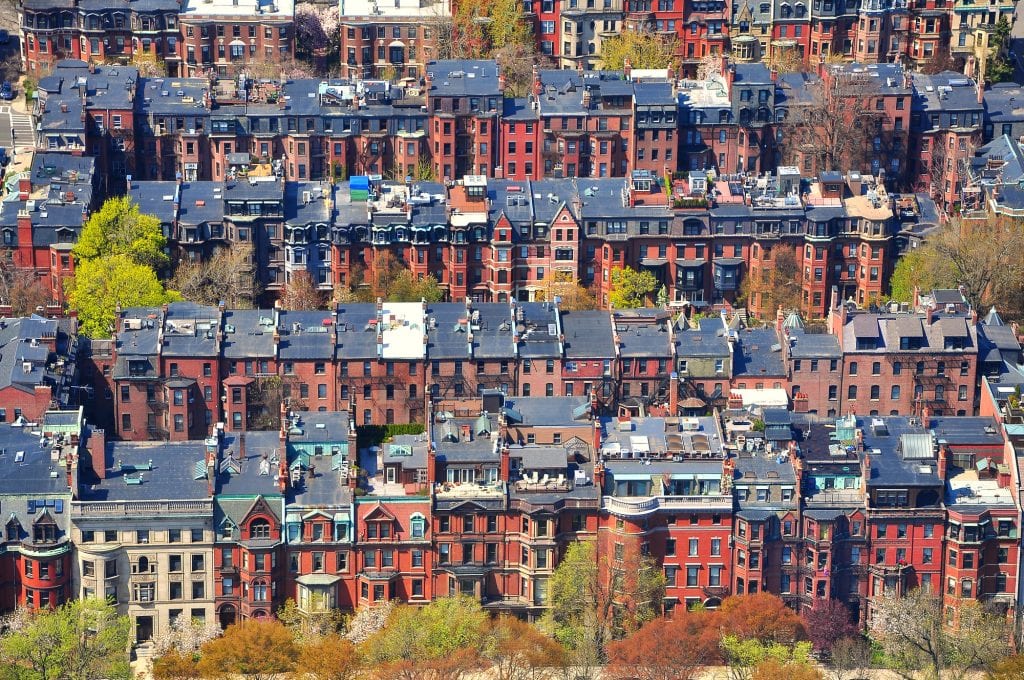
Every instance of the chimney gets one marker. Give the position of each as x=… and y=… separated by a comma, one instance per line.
x=774, y=73
x=981, y=86
x=798, y=473
x=24, y=188
x=780, y=318
x=866, y=473
x=579, y=68
x=97, y=447
x=213, y=457
x=538, y=86
x=597, y=437
x=431, y=466
x=599, y=477
x=505, y=464
x=501, y=83
x=282, y=472
x=926, y=418
x=943, y=461
x=673, y=394
x=241, y=446
x=730, y=77
x=69, y=470
x=627, y=69
x=466, y=433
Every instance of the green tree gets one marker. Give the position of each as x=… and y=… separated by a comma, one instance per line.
x=643, y=49
x=101, y=284
x=438, y=630
x=920, y=268
x=631, y=288
x=745, y=655
x=118, y=228
x=81, y=640
x=316, y=622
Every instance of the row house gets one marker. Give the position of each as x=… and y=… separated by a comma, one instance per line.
x=143, y=531
x=98, y=33
x=946, y=124
x=40, y=370
x=224, y=38
x=667, y=492
x=400, y=38
x=38, y=487
x=990, y=180
x=87, y=109
x=319, y=526
x=252, y=477
x=907, y=362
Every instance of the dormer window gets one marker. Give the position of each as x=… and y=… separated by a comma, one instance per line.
x=13, y=530
x=44, y=532
x=259, y=529
x=417, y=525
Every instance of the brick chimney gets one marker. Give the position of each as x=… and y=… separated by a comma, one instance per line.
x=599, y=477
x=431, y=465
x=673, y=394
x=627, y=69
x=24, y=188
x=505, y=464
x=943, y=461
x=780, y=318
x=538, y=86
x=865, y=473
x=23, y=256
x=96, y=445
x=926, y=418
x=597, y=436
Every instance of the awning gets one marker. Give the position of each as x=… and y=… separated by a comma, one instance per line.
x=341, y=517
x=318, y=579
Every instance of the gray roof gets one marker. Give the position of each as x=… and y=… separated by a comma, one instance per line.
x=805, y=345
x=588, y=334
x=549, y=411
x=34, y=472
x=463, y=78
x=167, y=471
x=643, y=333
x=245, y=337
x=754, y=356
x=710, y=339
x=311, y=339
x=239, y=473
x=537, y=326
x=25, y=359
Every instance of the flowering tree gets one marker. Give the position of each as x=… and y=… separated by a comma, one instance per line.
x=316, y=27
x=185, y=635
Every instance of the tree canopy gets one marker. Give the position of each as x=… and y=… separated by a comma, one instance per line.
x=631, y=288
x=256, y=649
x=103, y=283
x=642, y=49
x=81, y=640
x=118, y=228
x=227, y=276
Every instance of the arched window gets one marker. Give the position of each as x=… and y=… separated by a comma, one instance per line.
x=259, y=529
x=143, y=565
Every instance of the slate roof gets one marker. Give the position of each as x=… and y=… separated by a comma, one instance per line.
x=648, y=337
x=753, y=355
x=24, y=360
x=167, y=471
x=588, y=334
x=245, y=337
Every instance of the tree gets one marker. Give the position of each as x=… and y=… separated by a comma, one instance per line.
x=257, y=649
x=631, y=288
x=960, y=253
x=329, y=657
x=118, y=228
x=849, y=657
x=22, y=289
x=643, y=49
x=762, y=616
x=507, y=26
x=176, y=665
x=828, y=622
x=919, y=268
x=519, y=650
x=316, y=27
x=772, y=669
x=391, y=280
x=301, y=293
x=368, y=621
x=81, y=640
x=226, y=277
x=750, y=658
x=998, y=67
x=426, y=634
x=102, y=284
x=663, y=649
x=594, y=599
x=320, y=621
x=563, y=285
x=185, y=635
x=1010, y=668
x=777, y=284
x=832, y=120
x=917, y=638
x=517, y=63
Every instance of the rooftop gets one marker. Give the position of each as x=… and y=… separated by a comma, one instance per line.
x=264, y=9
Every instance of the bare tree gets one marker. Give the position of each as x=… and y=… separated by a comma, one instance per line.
x=22, y=289
x=301, y=293
x=918, y=636
x=227, y=277
x=832, y=121
x=849, y=657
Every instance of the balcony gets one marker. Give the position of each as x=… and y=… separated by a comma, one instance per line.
x=646, y=505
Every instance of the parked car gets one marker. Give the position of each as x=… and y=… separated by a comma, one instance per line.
x=6, y=91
